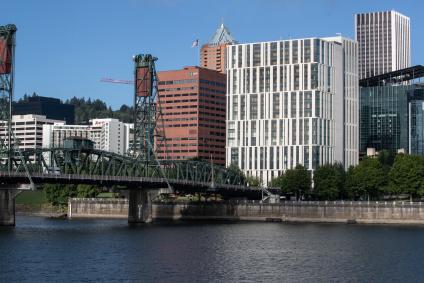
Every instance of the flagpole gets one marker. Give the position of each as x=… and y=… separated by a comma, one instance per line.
x=195, y=44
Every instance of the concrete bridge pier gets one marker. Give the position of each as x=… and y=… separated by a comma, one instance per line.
x=140, y=206
x=7, y=207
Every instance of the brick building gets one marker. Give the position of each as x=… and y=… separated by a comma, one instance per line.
x=212, y=54
x=193, y=108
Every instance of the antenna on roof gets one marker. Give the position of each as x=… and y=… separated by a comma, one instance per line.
x=222, y=21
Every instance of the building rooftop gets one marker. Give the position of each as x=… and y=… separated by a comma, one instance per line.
x=394, y=77
x=221, y=36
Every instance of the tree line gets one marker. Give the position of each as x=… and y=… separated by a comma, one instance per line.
x=385, y=176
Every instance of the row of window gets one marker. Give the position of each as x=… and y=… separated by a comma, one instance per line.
x=176, y=89
x=281, y=132
x=257, y=158
x=280, y=105
x=279, y=53
x=283, y=78
x=177, y=82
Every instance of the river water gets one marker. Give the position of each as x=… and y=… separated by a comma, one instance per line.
x=47, y=250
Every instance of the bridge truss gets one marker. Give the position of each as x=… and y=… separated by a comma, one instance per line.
x=92, y=164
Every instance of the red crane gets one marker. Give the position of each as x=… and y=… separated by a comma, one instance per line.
x=114, y=81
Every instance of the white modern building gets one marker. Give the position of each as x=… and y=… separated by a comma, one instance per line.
x=54, y=135
x=292, y=102
x=384, y=42
x=28, y=129
x=107, y=134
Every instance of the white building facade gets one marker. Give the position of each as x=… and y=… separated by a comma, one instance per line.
x=291, y=102
x=54, y=135
x=384, y=42
x=107, y=134
x=28, y=129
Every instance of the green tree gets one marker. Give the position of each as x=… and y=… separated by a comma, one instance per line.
x=407, y=175
x=58, y=194
x=234, y=172
x=366, y=180
x=386, y=158
x=329, y=181
x=87, y=191
x=253, y=181
x=295, y=181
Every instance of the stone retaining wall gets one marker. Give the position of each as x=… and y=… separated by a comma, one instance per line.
x=347, y=212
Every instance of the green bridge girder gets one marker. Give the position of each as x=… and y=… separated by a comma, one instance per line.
x=101, y=163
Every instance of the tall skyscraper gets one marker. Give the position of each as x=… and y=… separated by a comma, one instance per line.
x=292, y=102
x=193, y=108
x=384, y=42
x=212, y=54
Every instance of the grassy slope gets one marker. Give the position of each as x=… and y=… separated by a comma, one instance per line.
x=31, y=198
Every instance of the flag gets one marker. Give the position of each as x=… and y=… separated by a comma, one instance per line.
x=195, y=43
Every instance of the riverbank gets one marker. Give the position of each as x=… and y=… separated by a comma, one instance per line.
x=288, y=211
x=42, y=210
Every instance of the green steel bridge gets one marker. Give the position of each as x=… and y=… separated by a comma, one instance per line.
x=97, y=167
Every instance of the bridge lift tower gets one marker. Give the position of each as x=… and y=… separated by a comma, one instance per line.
x=148, y=133
x=7, y=56
x=9, y=151
x=149, y=137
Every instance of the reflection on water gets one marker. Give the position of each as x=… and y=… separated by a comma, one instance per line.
x=40, y=250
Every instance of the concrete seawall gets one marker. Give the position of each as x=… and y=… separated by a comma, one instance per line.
x=97, y=208
x=342, y=212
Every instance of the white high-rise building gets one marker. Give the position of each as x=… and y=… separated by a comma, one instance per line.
x=292, y=102
x=384, y=42
x=108, y=134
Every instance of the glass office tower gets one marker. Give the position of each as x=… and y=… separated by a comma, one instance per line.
x=416, y=121
x=392, y=112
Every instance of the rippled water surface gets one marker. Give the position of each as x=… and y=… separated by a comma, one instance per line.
x=45, y=250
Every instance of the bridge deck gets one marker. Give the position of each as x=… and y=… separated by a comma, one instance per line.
x=139, y=183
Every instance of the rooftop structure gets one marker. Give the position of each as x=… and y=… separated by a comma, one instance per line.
x=394, y=77
x=213, y=53
x=222, y=36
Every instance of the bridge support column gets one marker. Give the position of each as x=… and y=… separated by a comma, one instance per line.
x=7, y=207
x=140, y=206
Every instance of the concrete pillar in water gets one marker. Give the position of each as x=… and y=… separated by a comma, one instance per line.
x=7, y=207
x=140, y=206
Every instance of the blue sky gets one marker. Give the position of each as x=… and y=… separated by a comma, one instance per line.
x=65, y=47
